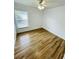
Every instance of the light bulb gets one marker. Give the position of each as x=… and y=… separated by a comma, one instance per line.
x=41, y=7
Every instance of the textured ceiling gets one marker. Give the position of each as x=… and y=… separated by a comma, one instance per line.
x=33, y=3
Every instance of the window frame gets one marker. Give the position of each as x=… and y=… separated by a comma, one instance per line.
x=16, y=20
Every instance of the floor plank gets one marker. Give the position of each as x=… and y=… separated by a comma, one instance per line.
x=39, y=44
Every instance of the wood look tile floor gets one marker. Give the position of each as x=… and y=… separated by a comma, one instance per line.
x=39, y=44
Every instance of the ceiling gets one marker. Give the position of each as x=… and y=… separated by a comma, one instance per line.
x=33, y=3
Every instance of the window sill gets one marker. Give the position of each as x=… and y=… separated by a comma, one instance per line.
x=22, y=27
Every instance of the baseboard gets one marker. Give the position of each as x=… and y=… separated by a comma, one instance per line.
x=29, y=30
x=53, y=33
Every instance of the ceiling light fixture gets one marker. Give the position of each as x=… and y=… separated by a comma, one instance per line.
x=42, y=4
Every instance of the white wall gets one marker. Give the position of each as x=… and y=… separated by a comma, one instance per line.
x=34, y=17
x=54, y=20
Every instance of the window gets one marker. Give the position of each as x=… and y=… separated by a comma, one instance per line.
x=21, y=19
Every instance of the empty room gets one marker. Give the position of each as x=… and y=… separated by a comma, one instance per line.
x=39, y=29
